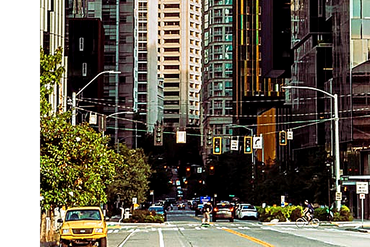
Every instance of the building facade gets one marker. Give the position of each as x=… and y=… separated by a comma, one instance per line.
x=330, y=40
x=179, y=61
x=52, y=36
x=217, y=77
x=260, y=65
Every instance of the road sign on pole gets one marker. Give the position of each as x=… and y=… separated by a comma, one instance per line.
x=234, y=145
x=257, y=142
x=362, y=187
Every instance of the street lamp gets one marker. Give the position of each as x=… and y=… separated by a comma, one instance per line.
x=336, y=118
x=74, y=94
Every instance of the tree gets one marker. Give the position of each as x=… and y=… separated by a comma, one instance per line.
x=76, y=165
x=131, y=176
x=51, y=73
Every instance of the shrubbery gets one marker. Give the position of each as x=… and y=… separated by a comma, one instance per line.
x=343, y=215
x=144, y=216
x=292, y=213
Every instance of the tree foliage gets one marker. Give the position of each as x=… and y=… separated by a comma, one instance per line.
x=51, y=73
x=131, y=176
x=76, y=164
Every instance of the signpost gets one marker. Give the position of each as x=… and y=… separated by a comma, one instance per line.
x=257, y=142
x=362, y=188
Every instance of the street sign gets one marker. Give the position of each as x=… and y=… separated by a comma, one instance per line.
x=290, y=135
x=257, y=142
x=338, y=196
x=181, y=137
x=282, y=200
x=204, y=199
x=134, y=200
x=234, y=145
x=362, y=187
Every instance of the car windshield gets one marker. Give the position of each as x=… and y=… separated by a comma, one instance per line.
x=248, y=207
x=83, y=214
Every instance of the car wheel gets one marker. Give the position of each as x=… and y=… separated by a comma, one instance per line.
x=62, y=244
x=213, y=219
x=103, y=242
x=231, y=220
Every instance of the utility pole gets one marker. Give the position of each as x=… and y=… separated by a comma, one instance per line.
x=336, y=141
x=74, y=94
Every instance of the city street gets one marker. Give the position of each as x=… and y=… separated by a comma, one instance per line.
x=184, y=229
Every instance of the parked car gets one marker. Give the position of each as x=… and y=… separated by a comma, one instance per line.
x=83, y=225
x=223, y=210
x=247, y=211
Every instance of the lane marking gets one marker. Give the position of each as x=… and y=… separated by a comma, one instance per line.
x=127, y=238
x=161, y=242
x=249, y=238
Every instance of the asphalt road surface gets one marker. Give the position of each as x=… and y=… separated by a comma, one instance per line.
x=183, y=229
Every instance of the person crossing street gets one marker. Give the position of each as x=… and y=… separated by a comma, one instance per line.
x=207, y=210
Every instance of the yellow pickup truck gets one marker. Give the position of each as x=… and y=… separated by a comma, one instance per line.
x=83, y=225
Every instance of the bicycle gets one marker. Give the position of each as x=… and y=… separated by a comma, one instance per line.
x=300, y=222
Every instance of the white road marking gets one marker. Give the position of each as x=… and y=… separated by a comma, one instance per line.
x=127, y=238
x=161, y=242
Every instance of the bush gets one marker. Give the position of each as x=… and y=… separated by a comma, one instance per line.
x=291, y=213
x=321, y=214
x=144, y=216
x=343, y=215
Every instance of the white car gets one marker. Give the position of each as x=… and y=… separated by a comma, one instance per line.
x=247, y=211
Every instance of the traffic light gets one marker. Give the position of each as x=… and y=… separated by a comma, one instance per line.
x=211, y=170
x=209, y=138
x=158, y=135
x=282, y=138
x=217, y=145
x=188, y=171
x=248, y=149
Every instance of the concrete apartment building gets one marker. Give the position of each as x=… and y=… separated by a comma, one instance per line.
x=217, y=85
x=179, y=61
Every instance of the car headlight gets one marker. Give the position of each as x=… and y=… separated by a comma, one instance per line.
x=99, y=230
x=65, y=231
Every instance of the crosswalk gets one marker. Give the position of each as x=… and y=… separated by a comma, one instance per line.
x=182, y=227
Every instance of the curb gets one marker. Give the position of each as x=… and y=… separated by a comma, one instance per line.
x=322, y=223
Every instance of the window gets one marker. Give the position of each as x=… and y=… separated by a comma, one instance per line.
x=81, y=44
x=84, y=69
x=175, y=41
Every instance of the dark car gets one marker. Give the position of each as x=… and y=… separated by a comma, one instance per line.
x=223, y=210
x=181, y=206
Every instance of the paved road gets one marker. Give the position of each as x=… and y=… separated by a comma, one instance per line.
x=183, y=229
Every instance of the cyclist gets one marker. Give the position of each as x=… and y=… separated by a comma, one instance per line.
x=308, y=210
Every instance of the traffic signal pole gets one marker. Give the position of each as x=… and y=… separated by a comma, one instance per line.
x=336, y=141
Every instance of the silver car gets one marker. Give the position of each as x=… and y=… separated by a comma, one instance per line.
x=247, y=211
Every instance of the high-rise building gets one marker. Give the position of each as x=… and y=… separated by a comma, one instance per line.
x=150, y=86
x=331, y=41
x=179, y=60
x=52, y=35
x=260, y=66
x=217, y=77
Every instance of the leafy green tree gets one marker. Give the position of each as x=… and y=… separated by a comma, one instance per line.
x=131, y=176
x=51, y=73
x=76, y=165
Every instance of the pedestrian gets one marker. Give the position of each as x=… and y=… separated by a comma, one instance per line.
x=207, y=209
